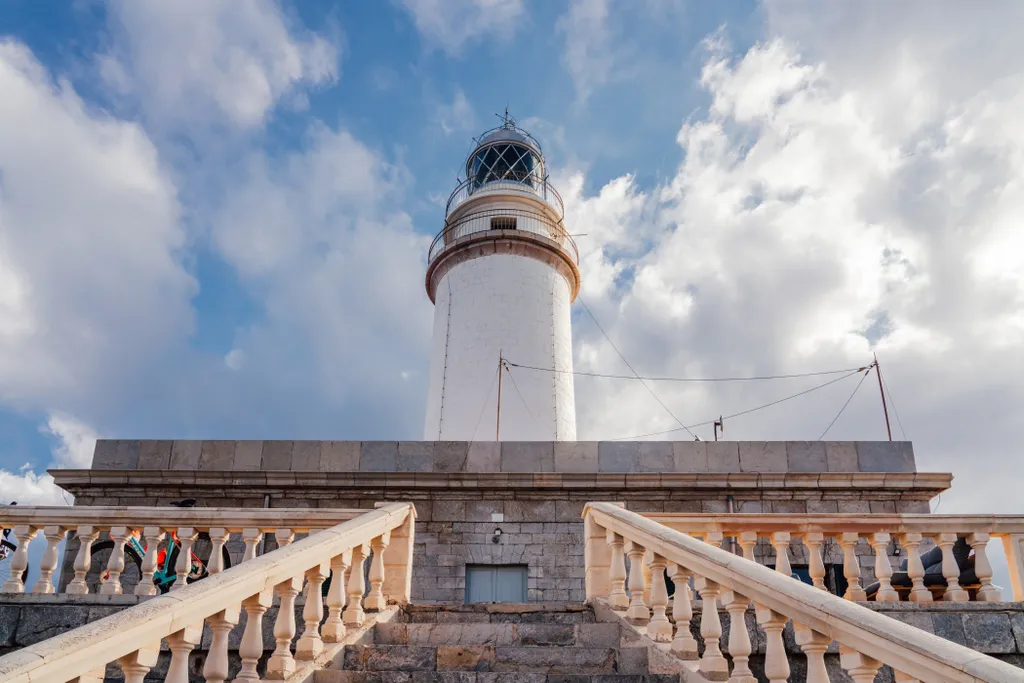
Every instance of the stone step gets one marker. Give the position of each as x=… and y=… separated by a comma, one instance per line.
x=338, y=676
x=582, y=635
x=497, y=659
x=500, y=613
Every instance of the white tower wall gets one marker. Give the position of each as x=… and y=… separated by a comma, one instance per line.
x=516, y=306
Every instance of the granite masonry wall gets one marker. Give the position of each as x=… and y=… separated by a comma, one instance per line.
x=533, y=491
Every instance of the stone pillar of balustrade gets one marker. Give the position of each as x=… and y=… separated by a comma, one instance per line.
x=638, y=612
x=684, y=645
x=1013, y=544
x=597, y=560
x=617, y=596
x=397, y=585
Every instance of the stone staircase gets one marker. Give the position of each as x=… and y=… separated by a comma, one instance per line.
x=495, y=643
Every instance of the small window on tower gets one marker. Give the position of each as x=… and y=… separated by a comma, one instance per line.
x=503, y=223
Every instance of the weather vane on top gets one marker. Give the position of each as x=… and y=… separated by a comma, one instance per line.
x=507, y=121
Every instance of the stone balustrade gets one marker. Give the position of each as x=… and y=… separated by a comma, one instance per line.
x=866, y=640
x=866, y=546
x=154, y=529
x=132, y=637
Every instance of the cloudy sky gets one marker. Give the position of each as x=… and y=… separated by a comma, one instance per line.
x=214, y=215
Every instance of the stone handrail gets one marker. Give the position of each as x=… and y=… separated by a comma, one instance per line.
x=867, y=640
x=132, y=637
x=879, y=531
x=156, y=525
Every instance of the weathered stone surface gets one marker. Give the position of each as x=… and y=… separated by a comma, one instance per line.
x=154, y=455
x=122, y=454
x=36, y=625
x=389, y=658
x=618, y=456
x=484, y=456
x=546, y=634
x=9, y=615
x=885, y=456
x=306, y=456
x=576, y=456
x=445, y=634
x=554, y=660
x=655, y=456
x=632, y=660
x=949, y=626
x=277, y=455
x=465, y=657
x=1017, y=625
x=990, y=633
x=806, y=456
x=339, y=676
x=527, y=456
x=248, y=455
x=442, y=677
x=185, y=454
x=723, y=456
x=689, y=456
x=217, y=455
x=763, y=456
x=415, y=456
x=597, y=635
x=511, y=678
x=379, y=456
x=450, y=456
x=841, y=456
x=340, y=456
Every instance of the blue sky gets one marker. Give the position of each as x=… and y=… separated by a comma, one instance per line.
x=214, y=216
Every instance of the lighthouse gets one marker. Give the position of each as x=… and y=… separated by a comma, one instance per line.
x=502, y=275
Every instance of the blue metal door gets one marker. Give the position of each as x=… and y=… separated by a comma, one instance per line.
x=495, y=583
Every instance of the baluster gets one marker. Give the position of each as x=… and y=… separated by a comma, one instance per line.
x=1013, y=544
x=251, y=647
x=911, y=541
x=713, y=664
x=218, y=537
x=780, y=541
x=252, y=538
x=376, y=600
x=19, y=561
x=739, y=639
x=851, y=567
x=816, y=568
x=684, y=645
x=334, y=627
x=883, y=570
x=154, y=537
x=284, y=537
x=983, y=568
x=596, y=559
x=54, y=535
x=87, y=534
x=617, y=598
x=862, y=669
x=813, y=645
x=776, y=664
x=747, y=541
x=950, y=569
x=310, y=643
x=660, y=628
x=216, y=668
x=353, y=614
x=115, y=565
x=186, y=538
x=137, y=664
x=180, y=644
x=645, y=567
x=281, y=664
x=637, y=612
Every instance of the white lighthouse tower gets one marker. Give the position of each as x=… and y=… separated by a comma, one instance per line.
x=502, y=275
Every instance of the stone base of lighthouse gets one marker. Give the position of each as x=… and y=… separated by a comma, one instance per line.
x=496, y=305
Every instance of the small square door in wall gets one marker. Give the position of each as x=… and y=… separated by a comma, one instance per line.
x=495, y=583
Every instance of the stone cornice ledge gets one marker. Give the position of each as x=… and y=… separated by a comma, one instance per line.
x=930, y=482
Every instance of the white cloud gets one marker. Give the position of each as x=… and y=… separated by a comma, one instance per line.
x=457, y=116
x=75, y=443
x=806, y=210
x=238, y=58
x=589, y=47
x=450, y=24
x=91, y=281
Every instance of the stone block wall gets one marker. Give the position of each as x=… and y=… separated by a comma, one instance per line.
x=536, y=489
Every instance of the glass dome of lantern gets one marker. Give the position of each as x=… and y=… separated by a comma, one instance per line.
x=506, y=154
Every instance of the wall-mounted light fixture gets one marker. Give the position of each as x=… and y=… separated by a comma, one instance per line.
x=497, y=536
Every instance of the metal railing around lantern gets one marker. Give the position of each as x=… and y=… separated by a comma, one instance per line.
x=509, y=220
x=537, y=187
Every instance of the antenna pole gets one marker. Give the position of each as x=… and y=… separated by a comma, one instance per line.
x=497, y=421
x=878, y=373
